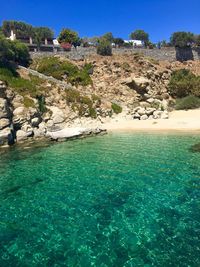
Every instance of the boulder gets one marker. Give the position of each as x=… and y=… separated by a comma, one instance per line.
x=58, y=115
x=150, y=111
x=17, y=101
x=165, y=115
x=141, y=111
x=27, y=129
x=19, y=116
x=19, y=111
x=4, y=123
x=136, y=116
x=144, y=117
x=4, y=109
x=21, y=135
x=6, y=136
x=157, y=114
x=35, y=122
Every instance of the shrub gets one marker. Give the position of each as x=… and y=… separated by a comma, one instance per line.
x=182, y=39
x=104, y=48
x=13, y=52
x=28, y=102
x=188, y=102
x=116, y=108
x=41, y=103
x=183, y=83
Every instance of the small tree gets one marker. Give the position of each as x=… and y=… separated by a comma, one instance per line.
x=108, y=37
x=140, y=35
x=68, y=36
x=118, y=41
x=41, y=33
x=197, y=40
x=104, y=48
x=182, y=39
x=21, y=29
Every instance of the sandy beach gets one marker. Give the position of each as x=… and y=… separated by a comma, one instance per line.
x=178, y=121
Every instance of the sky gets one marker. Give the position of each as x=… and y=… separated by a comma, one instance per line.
x=90, y=18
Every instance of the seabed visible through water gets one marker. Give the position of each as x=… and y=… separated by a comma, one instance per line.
x=121, y=200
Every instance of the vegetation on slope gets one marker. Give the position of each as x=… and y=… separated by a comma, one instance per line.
x=84, y=105
x=28, y=88
x=185, y=86
x=63, y=70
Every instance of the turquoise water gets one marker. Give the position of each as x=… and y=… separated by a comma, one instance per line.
x=117, y=200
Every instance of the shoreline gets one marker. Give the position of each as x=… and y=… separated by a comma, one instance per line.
x=179, y=121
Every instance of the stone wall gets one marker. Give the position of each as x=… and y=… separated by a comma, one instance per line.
x=169, y=54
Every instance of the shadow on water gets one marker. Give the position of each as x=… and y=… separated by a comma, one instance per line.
x=184, y=54
x=15, y=189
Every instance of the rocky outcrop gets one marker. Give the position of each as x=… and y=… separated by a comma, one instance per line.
x=69, y=133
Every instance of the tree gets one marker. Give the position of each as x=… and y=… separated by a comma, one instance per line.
x=140, y=35
x=182, y=39
x=41, y=33
x=104, y=48
x=21, y=29
x=68, y=36
x=13, y=52
x=118, y=41
x=197, y=40
x=108, y=37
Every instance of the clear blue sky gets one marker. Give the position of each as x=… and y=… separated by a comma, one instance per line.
x=93, y=18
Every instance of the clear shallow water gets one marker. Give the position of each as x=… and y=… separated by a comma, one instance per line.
x=117, y=200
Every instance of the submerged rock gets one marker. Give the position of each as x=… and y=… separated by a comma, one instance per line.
x=195, y=148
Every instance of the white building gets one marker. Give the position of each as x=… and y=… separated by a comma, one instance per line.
x=135, y=43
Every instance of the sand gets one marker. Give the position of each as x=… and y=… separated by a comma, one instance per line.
x=178, y=121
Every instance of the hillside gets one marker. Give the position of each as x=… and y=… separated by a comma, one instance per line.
x=83, y=93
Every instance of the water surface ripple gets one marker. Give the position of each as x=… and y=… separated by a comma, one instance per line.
x=120, y=200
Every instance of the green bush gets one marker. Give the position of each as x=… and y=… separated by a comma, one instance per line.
x=183, y=83
x=52, y=66
x=28, y=102
x=116, y=108
x=104, y=48
x=13, y=52
x=188, y=102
